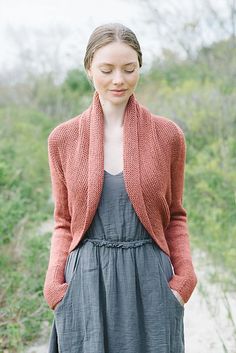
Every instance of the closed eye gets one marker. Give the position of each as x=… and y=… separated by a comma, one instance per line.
x=108, y=72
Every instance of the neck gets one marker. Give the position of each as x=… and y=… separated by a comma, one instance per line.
x=113, y=114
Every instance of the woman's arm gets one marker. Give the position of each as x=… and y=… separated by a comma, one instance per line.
x=177, y=235
x=54, y=285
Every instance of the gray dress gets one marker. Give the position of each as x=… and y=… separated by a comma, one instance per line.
x=118, y=299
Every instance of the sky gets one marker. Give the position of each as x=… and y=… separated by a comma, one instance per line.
x=68, y=22
x=47, y=33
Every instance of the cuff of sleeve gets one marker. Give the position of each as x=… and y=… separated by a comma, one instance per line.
x=184, y=285
x=54, y=286
x=178, y=296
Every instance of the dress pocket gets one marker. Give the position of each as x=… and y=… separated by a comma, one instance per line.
x=69, y=274
x=166, y=273
x=62, y=301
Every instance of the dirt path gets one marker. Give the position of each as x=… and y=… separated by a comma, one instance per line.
x=208, y=327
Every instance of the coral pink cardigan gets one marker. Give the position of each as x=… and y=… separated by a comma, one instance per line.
x=154, y=159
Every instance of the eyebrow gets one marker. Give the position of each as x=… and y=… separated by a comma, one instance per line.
x=132, y=62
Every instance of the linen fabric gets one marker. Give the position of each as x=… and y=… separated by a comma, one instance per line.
x=118, y=299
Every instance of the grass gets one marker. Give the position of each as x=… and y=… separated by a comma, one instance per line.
x=25, y=193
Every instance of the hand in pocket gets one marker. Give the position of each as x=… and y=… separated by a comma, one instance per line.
x=178, y=296
x=65, y=287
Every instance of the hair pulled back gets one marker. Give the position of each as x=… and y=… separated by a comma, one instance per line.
x=109, y=33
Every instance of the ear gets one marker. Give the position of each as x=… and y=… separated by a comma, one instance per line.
x=90, y=77
x=89, y=74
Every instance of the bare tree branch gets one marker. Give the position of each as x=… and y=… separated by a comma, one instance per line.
x=188, y=31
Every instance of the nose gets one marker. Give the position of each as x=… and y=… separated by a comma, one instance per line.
x=117, y=78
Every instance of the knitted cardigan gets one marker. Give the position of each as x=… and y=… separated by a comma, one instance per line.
x=154, y=152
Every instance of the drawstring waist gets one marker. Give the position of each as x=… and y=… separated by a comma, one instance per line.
x=118, y=244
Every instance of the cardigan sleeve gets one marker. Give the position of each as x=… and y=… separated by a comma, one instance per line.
x=54, y=285
x=184, y=279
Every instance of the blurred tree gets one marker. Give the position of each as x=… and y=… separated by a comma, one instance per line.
x=187, y=26
x=76, y=80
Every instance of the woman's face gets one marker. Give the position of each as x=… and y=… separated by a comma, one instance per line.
x=115, y=72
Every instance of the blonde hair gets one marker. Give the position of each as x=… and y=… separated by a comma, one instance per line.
x=108, y=33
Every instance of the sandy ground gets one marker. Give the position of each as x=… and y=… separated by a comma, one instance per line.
x=207, y=324
x=208, y=328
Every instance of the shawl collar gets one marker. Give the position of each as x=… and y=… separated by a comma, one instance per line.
x=136, y=118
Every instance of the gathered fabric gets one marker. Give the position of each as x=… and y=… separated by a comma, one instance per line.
x=154, y=153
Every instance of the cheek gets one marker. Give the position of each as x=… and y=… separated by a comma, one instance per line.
x=134, y=80
x=101, y=81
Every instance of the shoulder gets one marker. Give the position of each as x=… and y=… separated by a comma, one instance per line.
x=168, y=129
x=65, y=131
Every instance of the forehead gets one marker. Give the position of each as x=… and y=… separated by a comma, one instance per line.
x=115, y=53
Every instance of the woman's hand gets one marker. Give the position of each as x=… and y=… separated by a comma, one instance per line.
x=178, y=296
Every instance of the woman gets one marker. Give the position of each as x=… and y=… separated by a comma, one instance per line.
x=120, y=267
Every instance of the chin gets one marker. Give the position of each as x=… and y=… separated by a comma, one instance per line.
x=119, y=100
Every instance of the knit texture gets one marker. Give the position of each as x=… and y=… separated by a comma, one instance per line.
x=154, y=153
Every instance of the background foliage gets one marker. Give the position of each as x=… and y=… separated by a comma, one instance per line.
x=199, y=94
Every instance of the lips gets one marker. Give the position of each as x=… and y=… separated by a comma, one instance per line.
x=118, y=90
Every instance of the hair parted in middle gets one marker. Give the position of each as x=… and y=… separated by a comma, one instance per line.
x=109, y=33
